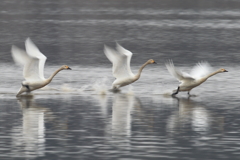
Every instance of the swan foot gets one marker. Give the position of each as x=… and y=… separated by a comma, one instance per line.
x=114, y=90
x=27, y=95
x=176, y=92
x=191, y=95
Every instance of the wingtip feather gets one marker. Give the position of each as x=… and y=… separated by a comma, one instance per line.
x=13, y=49
x=169, y=63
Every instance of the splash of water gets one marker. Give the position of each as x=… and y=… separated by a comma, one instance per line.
x=67, y=88
x=130, y=90
x=165, y=89
x=100, y=86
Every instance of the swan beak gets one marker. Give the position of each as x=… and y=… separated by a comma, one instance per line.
x=225, y=71
x=69, y=68
x=155, y=62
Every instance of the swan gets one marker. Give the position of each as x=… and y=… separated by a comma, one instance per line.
x=199, y=74
x=121, y=70
x=33, y=61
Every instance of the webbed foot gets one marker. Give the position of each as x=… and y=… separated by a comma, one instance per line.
x=192, y=95
x=176, y=92
x=114, y=90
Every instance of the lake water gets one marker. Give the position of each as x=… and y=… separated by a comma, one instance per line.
x=75, y=117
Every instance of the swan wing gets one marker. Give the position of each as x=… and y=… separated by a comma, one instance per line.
x=128, y=55
x=19, y=56
x=120, y=59
x=180, y=76
x=200, y=70
x=34, y=52
x=30, y=70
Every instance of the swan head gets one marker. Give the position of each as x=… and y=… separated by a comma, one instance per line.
x=66, y=67
x=222, y=70
x=151, y=61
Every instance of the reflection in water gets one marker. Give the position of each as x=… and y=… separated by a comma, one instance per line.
x=121, y=114
x=193, y=117
x=120, y=126
x=28, y=140
x=102, y=100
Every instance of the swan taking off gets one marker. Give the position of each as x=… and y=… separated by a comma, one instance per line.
x=199, y=74
x=33, y=61
x=121, y=70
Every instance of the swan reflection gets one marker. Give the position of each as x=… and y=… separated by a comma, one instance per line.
x=102, y=100
x=121, y=114
x=192, y=116
x=29, y=138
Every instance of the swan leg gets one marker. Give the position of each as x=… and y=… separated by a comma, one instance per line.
x=191, y=95
x=114, y=90
x=28, y=89
x=176, y=91
x=27, y=86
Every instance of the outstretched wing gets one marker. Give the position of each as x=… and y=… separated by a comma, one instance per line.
x=19, y=56
x=120, y=59
x=200, y=70
x=181, y=76
x=30, y=69
x=34, y=52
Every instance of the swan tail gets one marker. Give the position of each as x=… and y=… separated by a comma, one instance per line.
x=21, y=90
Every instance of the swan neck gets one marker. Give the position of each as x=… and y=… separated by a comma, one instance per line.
x=53, y=75
x=212, y=74
x=140, y=70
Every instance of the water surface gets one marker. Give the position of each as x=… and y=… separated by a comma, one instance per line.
x=75, y=117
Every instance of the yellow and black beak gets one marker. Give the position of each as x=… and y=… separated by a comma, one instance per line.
x=69, y=68
x=225, y=71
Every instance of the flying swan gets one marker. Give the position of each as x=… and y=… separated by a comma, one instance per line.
x=199, y=74
x=33, y=61
x=121, y=70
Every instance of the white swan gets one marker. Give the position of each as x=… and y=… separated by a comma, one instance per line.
x=199, y=74
x=33, y=61
x=121, y=70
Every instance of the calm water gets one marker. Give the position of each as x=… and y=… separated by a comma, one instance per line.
x=75, y=117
